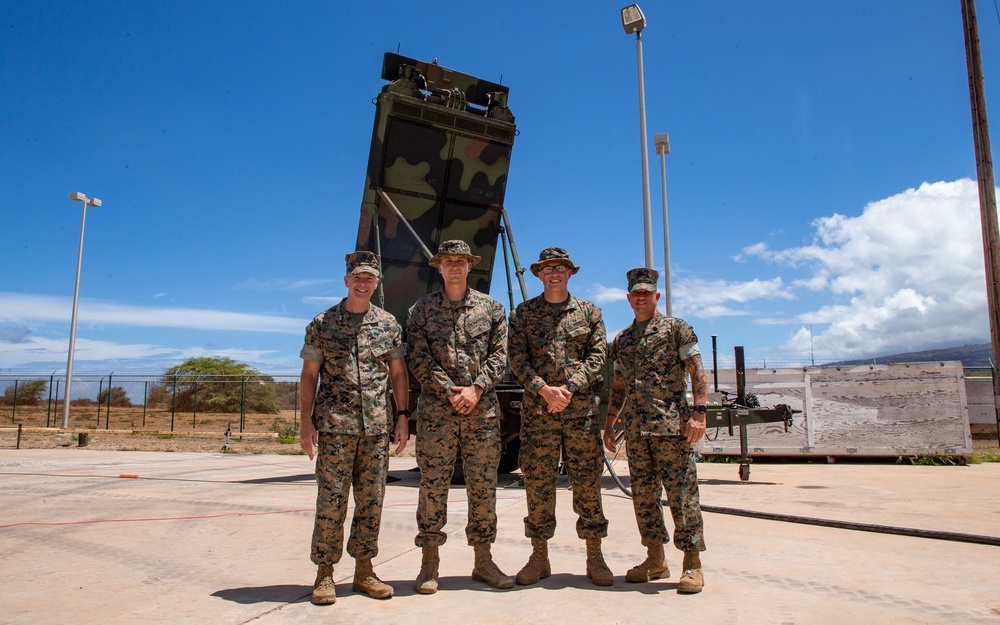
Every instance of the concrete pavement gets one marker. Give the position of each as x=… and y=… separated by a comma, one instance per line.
x=96, y=537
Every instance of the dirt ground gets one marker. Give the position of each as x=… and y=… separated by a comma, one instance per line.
x=132, y=429
x=141, y=441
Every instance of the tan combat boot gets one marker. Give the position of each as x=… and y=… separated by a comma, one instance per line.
x=692, y=579
x=597, y=569
x=653, y=567
x=367, y=582
x=324, y=590
x=486, y=571
x=538, y=566
x=427, y=579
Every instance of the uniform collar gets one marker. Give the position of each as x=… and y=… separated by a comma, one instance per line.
x=343, y=313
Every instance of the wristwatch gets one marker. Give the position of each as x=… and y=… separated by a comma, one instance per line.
x=701, y=408
x=403, y=413
x=572, y=388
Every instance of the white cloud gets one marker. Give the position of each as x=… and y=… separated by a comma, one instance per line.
x=601, y=294
x=905, y=274
x=103, y=356
x=46, y=350
x=720, y=298
x=21, y=308
x=11, y=334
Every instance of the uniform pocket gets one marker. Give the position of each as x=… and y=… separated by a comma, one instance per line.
x=475, y=328
x=380, y=347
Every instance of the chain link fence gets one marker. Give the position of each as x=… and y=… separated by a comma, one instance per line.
x=154, y=403
x=264, y=403
x=980, y=397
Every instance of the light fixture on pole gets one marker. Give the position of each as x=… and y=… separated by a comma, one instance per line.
x=76, y=196
x=633, y=21
x=662, y=143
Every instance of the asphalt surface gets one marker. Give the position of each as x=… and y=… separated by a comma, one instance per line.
x=96, y=537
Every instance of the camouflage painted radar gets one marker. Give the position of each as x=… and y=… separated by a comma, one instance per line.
x=440, y=150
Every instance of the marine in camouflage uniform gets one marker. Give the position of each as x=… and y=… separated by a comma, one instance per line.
x=652, y=359
x=557, y=345
x=458, y=352
x=353, y=350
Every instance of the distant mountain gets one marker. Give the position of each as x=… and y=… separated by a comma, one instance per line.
x=969, y=355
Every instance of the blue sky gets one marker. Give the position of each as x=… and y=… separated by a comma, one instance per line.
x=821, y=181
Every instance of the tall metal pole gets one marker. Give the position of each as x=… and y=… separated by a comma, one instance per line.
x=984, y=175
x=76, y=196
x=72, y=325
x=662, y=143
x=647, y=219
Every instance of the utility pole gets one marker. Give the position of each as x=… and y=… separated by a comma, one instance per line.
x=984, y=175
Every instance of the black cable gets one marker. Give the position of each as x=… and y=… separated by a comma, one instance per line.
x=863, y=527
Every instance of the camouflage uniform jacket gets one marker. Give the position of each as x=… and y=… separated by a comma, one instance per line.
x=652, y=366
x=457, y=343
x=354, y=369
x=555, y=345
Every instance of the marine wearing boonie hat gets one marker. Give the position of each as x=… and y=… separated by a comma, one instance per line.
x=642, y=279
x=454, y=247
x=554, y=253
x=362, y=262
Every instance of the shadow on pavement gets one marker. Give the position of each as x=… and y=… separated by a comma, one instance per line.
x=283, y=593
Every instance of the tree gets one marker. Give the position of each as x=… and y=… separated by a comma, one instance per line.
x=28, y=393
x=219, y=384
x=287, y=394
x=118, y=396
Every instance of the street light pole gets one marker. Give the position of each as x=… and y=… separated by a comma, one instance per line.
x=633, y=21
x=662, y=143
x=76, y=196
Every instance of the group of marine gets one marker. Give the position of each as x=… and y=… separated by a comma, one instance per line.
x=458, y=348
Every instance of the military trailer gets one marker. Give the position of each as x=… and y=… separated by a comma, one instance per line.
x=437, y=170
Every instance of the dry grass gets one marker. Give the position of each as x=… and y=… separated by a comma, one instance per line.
x=129, y=429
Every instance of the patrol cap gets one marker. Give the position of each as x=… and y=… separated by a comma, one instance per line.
x=454, y=247
x=362, y=261
x=642, y=279
x=554, y=253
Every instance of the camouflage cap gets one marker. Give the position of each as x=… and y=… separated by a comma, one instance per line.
x=554, y=253
x=642, y=279
x=454, y=247
x=359, y=262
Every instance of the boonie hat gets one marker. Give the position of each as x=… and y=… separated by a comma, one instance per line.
x=365, y=262
x=642, y=279
x=454, y=247
x=554, y=253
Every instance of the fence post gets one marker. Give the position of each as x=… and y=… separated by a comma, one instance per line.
x=107, y=414
x=173, y=403
x=100, y=391
x=194, y=405
x=145, y=394
x=243, y=401
x=13, y=405
x=57, y=398
x=48, y=406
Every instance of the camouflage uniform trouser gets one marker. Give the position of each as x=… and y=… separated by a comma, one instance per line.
x=439, y=437
x=657, y=462
x=577, y=435
x=345, y=461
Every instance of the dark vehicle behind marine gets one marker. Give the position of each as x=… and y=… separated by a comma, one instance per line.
x=437, y=170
